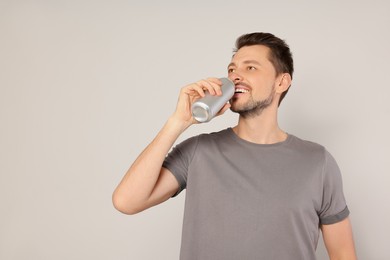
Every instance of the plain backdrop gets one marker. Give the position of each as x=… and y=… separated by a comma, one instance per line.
x=86, y=85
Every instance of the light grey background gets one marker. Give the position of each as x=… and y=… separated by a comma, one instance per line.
x=86, y=85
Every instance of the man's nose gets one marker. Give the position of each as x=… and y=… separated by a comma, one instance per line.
x=235, y=77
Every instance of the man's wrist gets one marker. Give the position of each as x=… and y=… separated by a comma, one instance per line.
x=177, y=125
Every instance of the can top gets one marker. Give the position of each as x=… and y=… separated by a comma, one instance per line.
x=201, y=112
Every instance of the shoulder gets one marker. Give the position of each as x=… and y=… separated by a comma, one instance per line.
x=305, y=144
x=202, y=139
x=314, y=151
x=222, y=134
x=317, y=155
x=205, y=141
x=308, y=148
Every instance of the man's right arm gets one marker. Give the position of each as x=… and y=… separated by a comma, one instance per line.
x=147, y=183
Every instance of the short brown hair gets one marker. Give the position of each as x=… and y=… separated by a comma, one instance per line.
x=280, y=54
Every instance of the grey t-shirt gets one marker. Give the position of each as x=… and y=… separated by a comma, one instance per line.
x=254, y=201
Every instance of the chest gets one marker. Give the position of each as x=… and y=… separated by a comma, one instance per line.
x=275, y=181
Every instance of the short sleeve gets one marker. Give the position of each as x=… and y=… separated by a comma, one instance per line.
x=333, y=207
x=179, y=159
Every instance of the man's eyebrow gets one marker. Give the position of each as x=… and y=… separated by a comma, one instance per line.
x=252, y=62
x=231, y=64
x=246, y=62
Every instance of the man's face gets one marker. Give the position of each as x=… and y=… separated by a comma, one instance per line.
x=255, y=80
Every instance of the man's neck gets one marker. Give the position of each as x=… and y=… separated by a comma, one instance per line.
x=261, y=129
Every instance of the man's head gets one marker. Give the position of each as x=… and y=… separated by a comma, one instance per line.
x=279, y=52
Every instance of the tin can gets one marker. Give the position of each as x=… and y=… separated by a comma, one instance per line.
x=204, y=109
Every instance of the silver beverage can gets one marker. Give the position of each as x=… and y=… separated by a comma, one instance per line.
x=204, y=109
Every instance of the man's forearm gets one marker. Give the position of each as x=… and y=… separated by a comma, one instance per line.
x=140, y=180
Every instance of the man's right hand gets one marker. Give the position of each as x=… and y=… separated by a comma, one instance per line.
x=191, y=93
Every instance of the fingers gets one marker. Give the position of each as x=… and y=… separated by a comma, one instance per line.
x=191, y=93
x=210, y=85
x=215, y=84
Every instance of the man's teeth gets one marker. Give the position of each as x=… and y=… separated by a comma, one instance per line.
x=241, y=90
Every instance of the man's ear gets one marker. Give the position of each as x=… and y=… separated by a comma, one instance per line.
x=284, y=83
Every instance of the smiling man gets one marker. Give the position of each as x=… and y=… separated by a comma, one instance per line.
x=253, y=191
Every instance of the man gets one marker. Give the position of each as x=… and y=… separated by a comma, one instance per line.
x=253, y=191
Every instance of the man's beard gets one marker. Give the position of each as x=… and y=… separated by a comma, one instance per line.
x=254, y=108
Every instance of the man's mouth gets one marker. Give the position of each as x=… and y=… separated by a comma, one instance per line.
x=240, y=91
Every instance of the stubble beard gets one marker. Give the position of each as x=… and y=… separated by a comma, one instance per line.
x=253, y=108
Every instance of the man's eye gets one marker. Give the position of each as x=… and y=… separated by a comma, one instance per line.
x=251, y=68
x=230, y=70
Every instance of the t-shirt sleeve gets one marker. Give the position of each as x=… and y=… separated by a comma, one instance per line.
x=179, y=159
x=333, y=207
